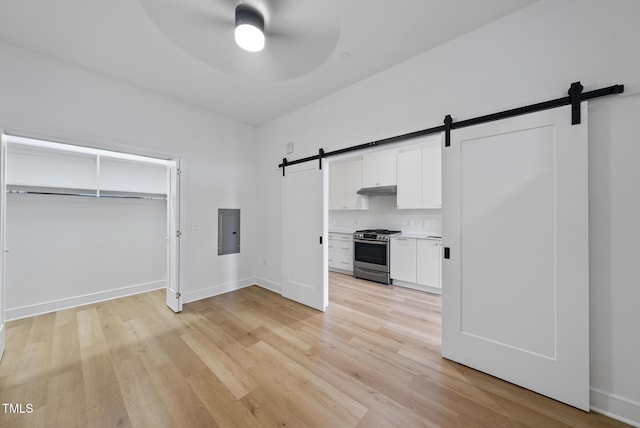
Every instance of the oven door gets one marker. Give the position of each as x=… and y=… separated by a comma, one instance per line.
x=372, y=255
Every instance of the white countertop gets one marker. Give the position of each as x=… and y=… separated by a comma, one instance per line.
x=346, y=231
x=418, y=235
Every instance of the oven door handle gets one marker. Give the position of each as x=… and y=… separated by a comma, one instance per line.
x=362, y=241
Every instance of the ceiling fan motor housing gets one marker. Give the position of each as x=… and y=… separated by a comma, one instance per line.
x=248, y=15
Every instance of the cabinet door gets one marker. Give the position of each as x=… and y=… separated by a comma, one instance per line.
x=387, y=168
x=409, y=166
x=370, y=167
x=429, y=261
x=353, y=183
x=403, y=259
x=432, y=176
x=379, y=169
x=336, y=186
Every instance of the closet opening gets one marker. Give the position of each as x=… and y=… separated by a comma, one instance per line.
x=84, y=225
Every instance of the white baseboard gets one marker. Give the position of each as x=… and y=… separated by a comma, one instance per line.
x=418, y=287
x=72, y=302
x=616, y=407
x=203, y=293
x=269, y=285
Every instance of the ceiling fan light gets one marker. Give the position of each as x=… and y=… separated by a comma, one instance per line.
x=249, y=33
x=249, y=38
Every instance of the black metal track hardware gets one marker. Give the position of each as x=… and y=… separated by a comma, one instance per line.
x=447, y=130
x=575, y=93
x=320, y=156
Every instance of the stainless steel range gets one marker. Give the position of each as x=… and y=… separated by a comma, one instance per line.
x=371, y=258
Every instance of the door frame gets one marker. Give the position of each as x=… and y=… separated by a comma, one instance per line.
x=173, y=286
x=3, y=229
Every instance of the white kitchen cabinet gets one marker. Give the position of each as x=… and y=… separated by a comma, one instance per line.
x=345, y=179
x=379, y=169
x=403, y=259
x=432, y=175
x=419, y=177
x=410, y=187
x=429, y=262
x=341, y=252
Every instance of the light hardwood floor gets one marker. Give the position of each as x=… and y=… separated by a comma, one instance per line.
x=252, y=358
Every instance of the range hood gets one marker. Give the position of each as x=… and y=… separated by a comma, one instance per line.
x=380, y=190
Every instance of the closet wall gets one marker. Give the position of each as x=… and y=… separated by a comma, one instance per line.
x=70, y=250
x=67, y=247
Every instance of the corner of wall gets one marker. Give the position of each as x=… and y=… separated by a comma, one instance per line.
x=269, y=285
x=615, y=407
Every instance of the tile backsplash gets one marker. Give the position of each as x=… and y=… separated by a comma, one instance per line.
x=383, y=214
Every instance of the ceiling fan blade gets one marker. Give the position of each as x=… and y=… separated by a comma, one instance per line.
x=183, y=12
x=300, y=34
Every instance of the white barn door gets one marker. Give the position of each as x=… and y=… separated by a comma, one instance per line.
x=516, y=287
x=304, y=264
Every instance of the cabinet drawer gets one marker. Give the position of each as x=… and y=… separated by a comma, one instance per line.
x=345, y=237
x=341, y=262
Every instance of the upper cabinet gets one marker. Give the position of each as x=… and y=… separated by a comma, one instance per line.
x=409, y=180
x=420, y=177
x=432, y=175
x=345, y=179
x=379, y=169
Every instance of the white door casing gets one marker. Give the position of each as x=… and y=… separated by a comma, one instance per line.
x=515, y=217
x=3, y=229
x=304, y=235
x=174, y=296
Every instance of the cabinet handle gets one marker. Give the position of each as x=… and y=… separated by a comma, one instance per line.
x=345, y=263
x=344, y=248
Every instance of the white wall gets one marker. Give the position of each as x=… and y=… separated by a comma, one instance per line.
x=530, y=56
x=69, y=250
x=44, y=98
x=382, y=213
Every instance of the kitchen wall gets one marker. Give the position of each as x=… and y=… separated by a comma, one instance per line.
x=51, y=100
x=382, y=214
x=530, y=56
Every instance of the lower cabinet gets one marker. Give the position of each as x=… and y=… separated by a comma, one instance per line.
x=416, y=263
x=341, y=252
x=403, y=259
x=429, y=258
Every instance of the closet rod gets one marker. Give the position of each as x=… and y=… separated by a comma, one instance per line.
x=86, y=195
x=575, y=97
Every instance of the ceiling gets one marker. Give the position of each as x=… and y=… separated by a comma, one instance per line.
x=184, y=49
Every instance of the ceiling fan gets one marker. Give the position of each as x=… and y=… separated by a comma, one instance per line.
x=299, y=35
